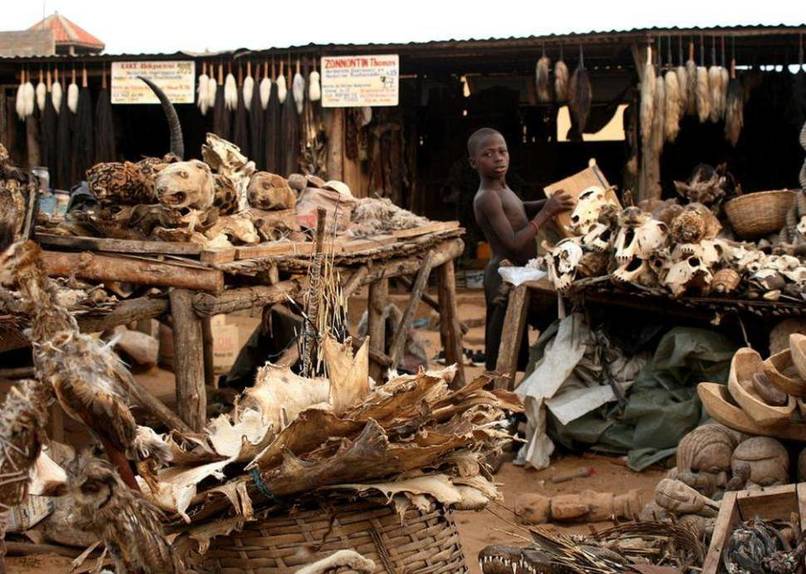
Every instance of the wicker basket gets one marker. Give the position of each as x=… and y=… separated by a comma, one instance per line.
x=423, y=543
x=758, y=214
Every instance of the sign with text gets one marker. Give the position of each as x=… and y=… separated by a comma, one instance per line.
x=357, y=81
x=177, y=79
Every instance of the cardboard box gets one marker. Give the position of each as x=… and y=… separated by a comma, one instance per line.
x=226, y=343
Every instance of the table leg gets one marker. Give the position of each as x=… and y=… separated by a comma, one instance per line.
x=191, y=397
x=449, y=330
x=376, y=327
x=514, y=324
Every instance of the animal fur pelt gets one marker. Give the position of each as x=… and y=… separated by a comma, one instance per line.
x=542, y=79
x=314, y=87
x=703, y=94
x=648, y=86
x=202, y=98
x=298, y=91
x=248, y=90
x=72, y=97
x=715, y=87
x=691, y=90
x=560, y=81
x=682, y=87
x=658, y=117
x=212, y=89
x=265, y=92
x=230, y=93
x=282, y=89
x=29, y=98
x=56, y=95
x=41, y=94
x=734, y=111
x=19, y=101
x=581, y=96
x=673, y=106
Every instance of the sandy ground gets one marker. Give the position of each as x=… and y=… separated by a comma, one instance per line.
x=497, y=524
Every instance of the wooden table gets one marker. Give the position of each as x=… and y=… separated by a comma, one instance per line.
x=201, y=289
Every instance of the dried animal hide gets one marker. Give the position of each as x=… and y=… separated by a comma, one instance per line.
x=658, y=117
x=238, y=229
x=691, y=90
x=230, y=93
x=734, y=112
x=542, y=79
x=280, y=395
x=581, y=96
x=373, y=217
x=703, y=94
x=717, y=94
x=561, y=81
x=348, y=374
x=648, y=86
x=674, y=106
x=225, y=158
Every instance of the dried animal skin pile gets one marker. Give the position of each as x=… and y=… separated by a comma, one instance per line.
x=372, y=217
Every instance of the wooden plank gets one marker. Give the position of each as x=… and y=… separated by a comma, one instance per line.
x=445, y=251
x=191, y=397
x=232, y=300
x=106, y=244
x=124, y=313
x=431, y=302
x=449, y=331
x=97, y=267
x=207, y=346
x=514, y=324
x=218, y=255
x=801, y=491
x=274, y=249
x=354, y=246
x=771, y=503
x=726, y=521
x=355, y=281
x=435, y=227
x=399, y=339
x=376, y=328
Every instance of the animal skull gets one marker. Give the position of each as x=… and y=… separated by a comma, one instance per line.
x=562, y=263
x=186, y=185
x=589, y=206
x=650, y=237
x=690, y=273
x=626, y=245
x=598, y=238
x=636, y=271
x=801, y=227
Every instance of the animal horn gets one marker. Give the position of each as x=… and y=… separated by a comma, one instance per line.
x=177, y=142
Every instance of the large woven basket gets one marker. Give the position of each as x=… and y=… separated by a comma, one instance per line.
x=422, y=543
x=758, y=214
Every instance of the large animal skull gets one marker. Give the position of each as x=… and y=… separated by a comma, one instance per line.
x=651, y=237
x=636, y=271
x=186, y=185
x=562, y=263
x=626, y=245
x=690, y=273
x=589, y=206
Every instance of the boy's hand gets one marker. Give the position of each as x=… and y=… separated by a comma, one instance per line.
x=558, y=203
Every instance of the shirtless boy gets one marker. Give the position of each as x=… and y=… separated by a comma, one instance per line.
x=503, y=218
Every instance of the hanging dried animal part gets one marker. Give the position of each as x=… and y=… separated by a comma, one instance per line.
x=298, y=91
x=734, y=111
x=269, y=191
x=703, y=94
x=562, y=262
x=717, y=107
x=56, y=92
x=581, y=96
x=265, y=90
x=212, y=90
x=282, y=88
x=230, y=92
x=29, y=97
x=648, y=85
x=767, y=459
x=658, y=116
x=248, y=87
x=347, y=560
x=314, y=87
x=202, y=96
x=679, y=498
x=682, y=83
x=674, y=106
x=542, y=79
x=561, y=81
x=186, y=184
x=725, y=281
x=19, y=101
x=128, y=525
x=72, y=95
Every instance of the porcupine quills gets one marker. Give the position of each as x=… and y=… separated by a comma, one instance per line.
x=647, y=97
x=542, y=79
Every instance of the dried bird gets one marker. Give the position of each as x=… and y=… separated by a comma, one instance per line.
x=89, y=380
x=561, y=80
x=581, y=94
x=127, y=523
x=202, y=96
x=542, y=79
x=648, y=85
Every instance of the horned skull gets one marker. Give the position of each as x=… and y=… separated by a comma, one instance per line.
x=589, y=206
x=562, y=263
x=186, y=185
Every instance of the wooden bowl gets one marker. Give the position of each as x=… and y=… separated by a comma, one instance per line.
x=720, y=406
x=797, y=346
x=746, y=362
x=782, y=373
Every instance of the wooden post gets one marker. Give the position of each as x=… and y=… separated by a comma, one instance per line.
x=376, y=327
x=449, y=331
x=207, y=346
x=336, y=144
x=191, y=398
x=514, y=324
x=399, y=340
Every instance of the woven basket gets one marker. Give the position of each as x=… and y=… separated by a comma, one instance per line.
x=761, y=213
x=423, y=543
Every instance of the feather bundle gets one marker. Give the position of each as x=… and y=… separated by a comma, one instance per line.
x=658, y=121
x=715, y=88
x=673, y=106
x=561, y=81
x=314, y=87
x=298, y=91
x=265, y=92
x=56, y=95
x=29, y=98
x=41, y=95
x=202, y=95
x=542, y=79
x=703, y=94
x=230, y=92
x=72, y=97
x=282, y=88
x=734, y=112
x=248, y=89
x=648, y=85
x=581, y=96
x=19, y=101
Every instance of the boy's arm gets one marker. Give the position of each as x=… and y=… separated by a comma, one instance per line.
x=493, y=212
x=533, y=207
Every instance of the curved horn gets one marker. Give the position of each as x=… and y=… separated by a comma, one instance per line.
x=177, y=143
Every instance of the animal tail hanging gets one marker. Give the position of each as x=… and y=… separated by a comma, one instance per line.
x=561, y=79
x=734, y=105
x=672, y=103
x=177, y=142
x=314, y=85
x=715, y=86
x=265, y=87
x=248, y=86
x=542, y=78
x=703, y=87
x=29, y=96
x=682, y=79
x=202, y=99
x=19, y=100
x=648, y=85
x=41, y=93
x=691, y=75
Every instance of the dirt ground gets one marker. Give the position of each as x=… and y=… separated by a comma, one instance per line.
x=497, y=524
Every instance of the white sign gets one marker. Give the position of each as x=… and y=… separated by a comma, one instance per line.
x=176, y=79
x=356, y=81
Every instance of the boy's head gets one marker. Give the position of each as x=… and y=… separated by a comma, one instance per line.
x=488, y=152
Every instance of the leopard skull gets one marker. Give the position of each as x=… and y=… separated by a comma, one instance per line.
x=185, y=185
x=589, y=206
x=690, y=273
x=562, y=263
